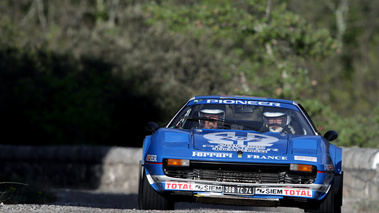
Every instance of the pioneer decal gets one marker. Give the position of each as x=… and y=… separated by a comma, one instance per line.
x=241, y=102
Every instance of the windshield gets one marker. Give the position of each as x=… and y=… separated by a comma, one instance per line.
x=280, y=118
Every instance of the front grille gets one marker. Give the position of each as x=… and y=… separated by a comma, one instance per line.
x=239, y=173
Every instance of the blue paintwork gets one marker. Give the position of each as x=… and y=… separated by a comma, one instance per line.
x=201, y=144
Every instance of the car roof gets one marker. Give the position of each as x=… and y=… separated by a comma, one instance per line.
x=237, y=97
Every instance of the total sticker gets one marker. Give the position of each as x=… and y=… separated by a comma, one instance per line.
x=180, y=186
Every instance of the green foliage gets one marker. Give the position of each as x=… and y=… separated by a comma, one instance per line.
x=265, y=47
x=75, y=72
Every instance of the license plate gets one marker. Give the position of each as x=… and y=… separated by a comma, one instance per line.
x=241, y=190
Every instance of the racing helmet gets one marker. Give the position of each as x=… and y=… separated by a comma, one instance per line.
x=276, y=112
x=213, y=111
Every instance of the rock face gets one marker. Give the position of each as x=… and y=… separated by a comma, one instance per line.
x=361, y=169
x=75, y=167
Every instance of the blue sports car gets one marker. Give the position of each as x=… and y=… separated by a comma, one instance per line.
x=239, y=150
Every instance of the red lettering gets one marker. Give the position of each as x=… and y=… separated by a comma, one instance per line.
x=182, y=186
x=298, y=192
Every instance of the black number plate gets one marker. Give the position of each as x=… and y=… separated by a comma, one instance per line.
x=241, y=190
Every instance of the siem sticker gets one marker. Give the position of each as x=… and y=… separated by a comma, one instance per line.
x=284, y=191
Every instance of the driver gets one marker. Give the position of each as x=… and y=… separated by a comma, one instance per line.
x=277, y=120
x=214, y=117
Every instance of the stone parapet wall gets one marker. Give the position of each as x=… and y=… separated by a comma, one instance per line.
x=361, y=173
x=115, y=169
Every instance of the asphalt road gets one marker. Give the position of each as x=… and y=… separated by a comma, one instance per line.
x=80, y=201
x=106, y=200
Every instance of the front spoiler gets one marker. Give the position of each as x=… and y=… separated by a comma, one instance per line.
x=239, y=201
x=263, y=193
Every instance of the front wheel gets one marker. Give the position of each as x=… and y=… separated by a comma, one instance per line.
x=326, y=204
x=148, y=198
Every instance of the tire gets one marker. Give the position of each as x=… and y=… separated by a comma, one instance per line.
x=140, y=185
x=148, y=198
x=332, y=202
x=338, y=195
x=326, y=204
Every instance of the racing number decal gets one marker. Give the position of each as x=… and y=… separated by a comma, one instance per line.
x=230, y=138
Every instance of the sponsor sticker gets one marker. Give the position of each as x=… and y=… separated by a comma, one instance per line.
x=193, y=187
x=171, y=185
x=179, y=186
x=212, y=154
x=231, y=140
x=243, y=102
x=284, y=192
x=306, y=158
x=151, y=158
x=263, y=157
x=242, y=190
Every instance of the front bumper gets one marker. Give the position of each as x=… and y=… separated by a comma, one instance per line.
x=202, y=189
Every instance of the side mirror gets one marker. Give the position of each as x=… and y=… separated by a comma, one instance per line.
x=331, y=135
x=152, y=127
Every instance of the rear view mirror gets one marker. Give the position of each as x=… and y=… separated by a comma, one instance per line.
x=243, y=110
x=152, y=127
x=331, y=135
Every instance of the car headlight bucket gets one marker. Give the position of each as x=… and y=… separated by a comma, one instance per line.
x=301, y=167
x=178, y=162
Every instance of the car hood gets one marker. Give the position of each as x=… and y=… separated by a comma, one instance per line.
x=235, y=140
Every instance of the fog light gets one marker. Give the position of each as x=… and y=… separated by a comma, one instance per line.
x=177, y=162
x=301, y=167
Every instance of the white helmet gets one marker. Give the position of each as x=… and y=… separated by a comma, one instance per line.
x=212, y=109
x=275, y=112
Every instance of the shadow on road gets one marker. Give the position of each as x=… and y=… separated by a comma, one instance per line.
x=95, y=199
x=85, y=198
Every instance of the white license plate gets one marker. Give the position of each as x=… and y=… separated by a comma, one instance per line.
x=241, y=190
